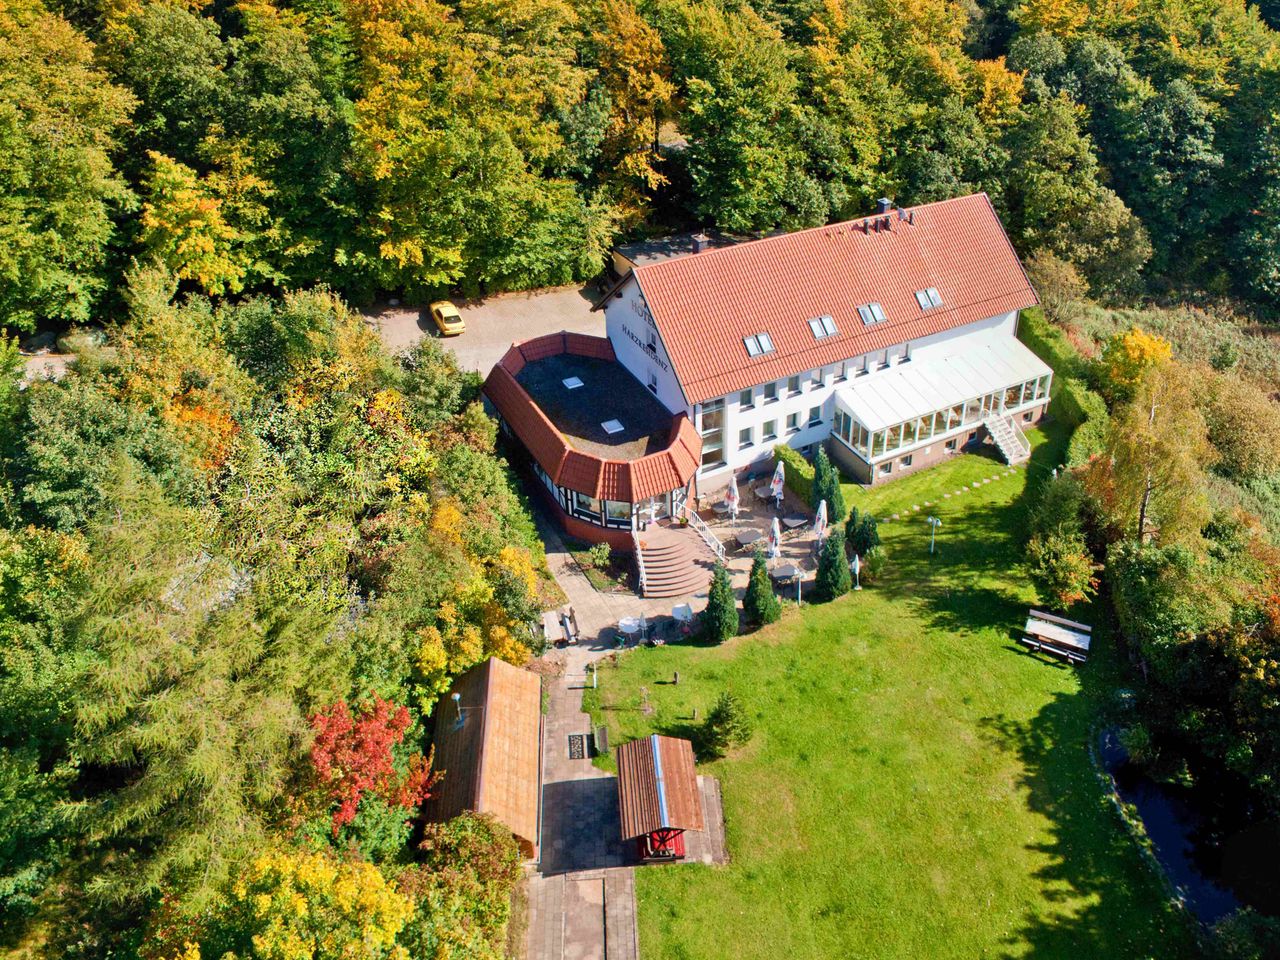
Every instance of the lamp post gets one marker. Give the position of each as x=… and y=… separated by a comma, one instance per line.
x=457, y=706
x=934, y=524
x=855, y=567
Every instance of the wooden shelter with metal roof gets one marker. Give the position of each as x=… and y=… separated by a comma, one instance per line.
x=488, y=749
x=658, y=796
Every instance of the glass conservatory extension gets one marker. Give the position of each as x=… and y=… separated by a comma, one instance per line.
x=928, y=399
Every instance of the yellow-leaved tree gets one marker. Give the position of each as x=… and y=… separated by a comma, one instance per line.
x=1129, y=355
x=183, y=226
x=298, y=905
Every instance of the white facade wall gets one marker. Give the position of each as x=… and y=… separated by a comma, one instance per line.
x=630, y=328
x=629, y=325
x=758, y=456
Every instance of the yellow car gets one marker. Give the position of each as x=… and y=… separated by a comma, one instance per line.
x=447, y=319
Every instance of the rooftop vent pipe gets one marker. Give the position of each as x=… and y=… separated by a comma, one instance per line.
x=700, y=242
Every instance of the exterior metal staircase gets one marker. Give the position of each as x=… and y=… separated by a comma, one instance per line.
x=1008, y=437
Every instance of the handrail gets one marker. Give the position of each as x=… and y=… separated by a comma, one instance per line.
x=708, y=537
x=635, y=539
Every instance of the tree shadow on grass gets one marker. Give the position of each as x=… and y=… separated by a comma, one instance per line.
x=1101, y=898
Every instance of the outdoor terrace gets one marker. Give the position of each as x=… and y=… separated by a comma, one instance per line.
x=608, y=392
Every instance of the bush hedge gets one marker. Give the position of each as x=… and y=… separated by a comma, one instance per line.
x=1050, y=344
x=799, y=471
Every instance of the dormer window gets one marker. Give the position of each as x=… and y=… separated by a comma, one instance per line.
x=758, y=344
x=928, y=298
x=822, y=327
x=871, y=313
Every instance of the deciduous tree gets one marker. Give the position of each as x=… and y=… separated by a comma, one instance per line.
x=60, y=120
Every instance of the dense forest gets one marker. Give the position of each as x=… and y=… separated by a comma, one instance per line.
x=243, y=550
x=416, y=147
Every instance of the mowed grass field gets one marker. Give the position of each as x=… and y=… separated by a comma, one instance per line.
x=917, y=786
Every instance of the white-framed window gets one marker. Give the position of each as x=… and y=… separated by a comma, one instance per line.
x=871, y=313
x=861, y=367
x=653, y=340
x=793, y=385
x=929, y=298
x=713, y=433
x=950, y=444
x=793, y=423
x=770, y=391
x=746, y=399
x=815, y=416
x=769, y=431
x=653, y=382
x=906, y=461
x=886, y=467
x=758, y=344
x=822, y=327
x=746, y=437
x=819, y=378
x=884, y=360
x=1026, y=417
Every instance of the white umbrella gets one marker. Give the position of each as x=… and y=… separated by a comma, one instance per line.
x=731, y=498
x=776, y=484
x=775, y=540
x=820, y=522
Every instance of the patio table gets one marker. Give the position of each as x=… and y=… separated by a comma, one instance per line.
x=629, y=625
x=720, y=509
x=764, y=493
x=794, y=523
x=748, y=537
x=788, y=571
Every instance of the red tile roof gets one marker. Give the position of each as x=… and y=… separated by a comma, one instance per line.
x=704, y=304
x=629, y=481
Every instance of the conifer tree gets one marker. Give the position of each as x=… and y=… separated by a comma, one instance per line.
x=833, y=571
x=720, y=619
x=760, y=603
x=821, y=489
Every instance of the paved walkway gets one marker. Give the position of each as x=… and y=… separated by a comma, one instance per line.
x=582, y=903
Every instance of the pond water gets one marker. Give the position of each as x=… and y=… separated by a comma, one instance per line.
x=1175, y=829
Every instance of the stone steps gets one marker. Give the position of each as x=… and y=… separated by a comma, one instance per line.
x=677, y=563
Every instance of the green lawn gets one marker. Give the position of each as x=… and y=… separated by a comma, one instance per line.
x=917, y=786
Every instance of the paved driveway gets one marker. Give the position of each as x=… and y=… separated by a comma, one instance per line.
x=493, y=323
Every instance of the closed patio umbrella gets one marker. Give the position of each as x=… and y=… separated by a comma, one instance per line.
x=775, y=539
x=820, y=522
x=777, y=483
x=731, y=498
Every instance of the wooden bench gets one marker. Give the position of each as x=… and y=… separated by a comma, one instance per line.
x=602, y=741
x=1044, y=646
x=1047, y=633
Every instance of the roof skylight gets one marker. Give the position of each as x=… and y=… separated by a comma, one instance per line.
x=572, y=383
x=758, y=344
x=823, y=327
x=928, y=298
x=612, y=426
x=871, y=313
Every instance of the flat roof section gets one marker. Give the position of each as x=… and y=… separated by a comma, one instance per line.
x=608, y=392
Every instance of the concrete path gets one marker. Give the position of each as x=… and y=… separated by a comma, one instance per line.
x=582, y=903
x=493, y=323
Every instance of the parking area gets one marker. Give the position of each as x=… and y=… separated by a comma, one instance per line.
x=493, y=323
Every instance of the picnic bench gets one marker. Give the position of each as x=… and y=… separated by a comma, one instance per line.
x=1046, y=633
